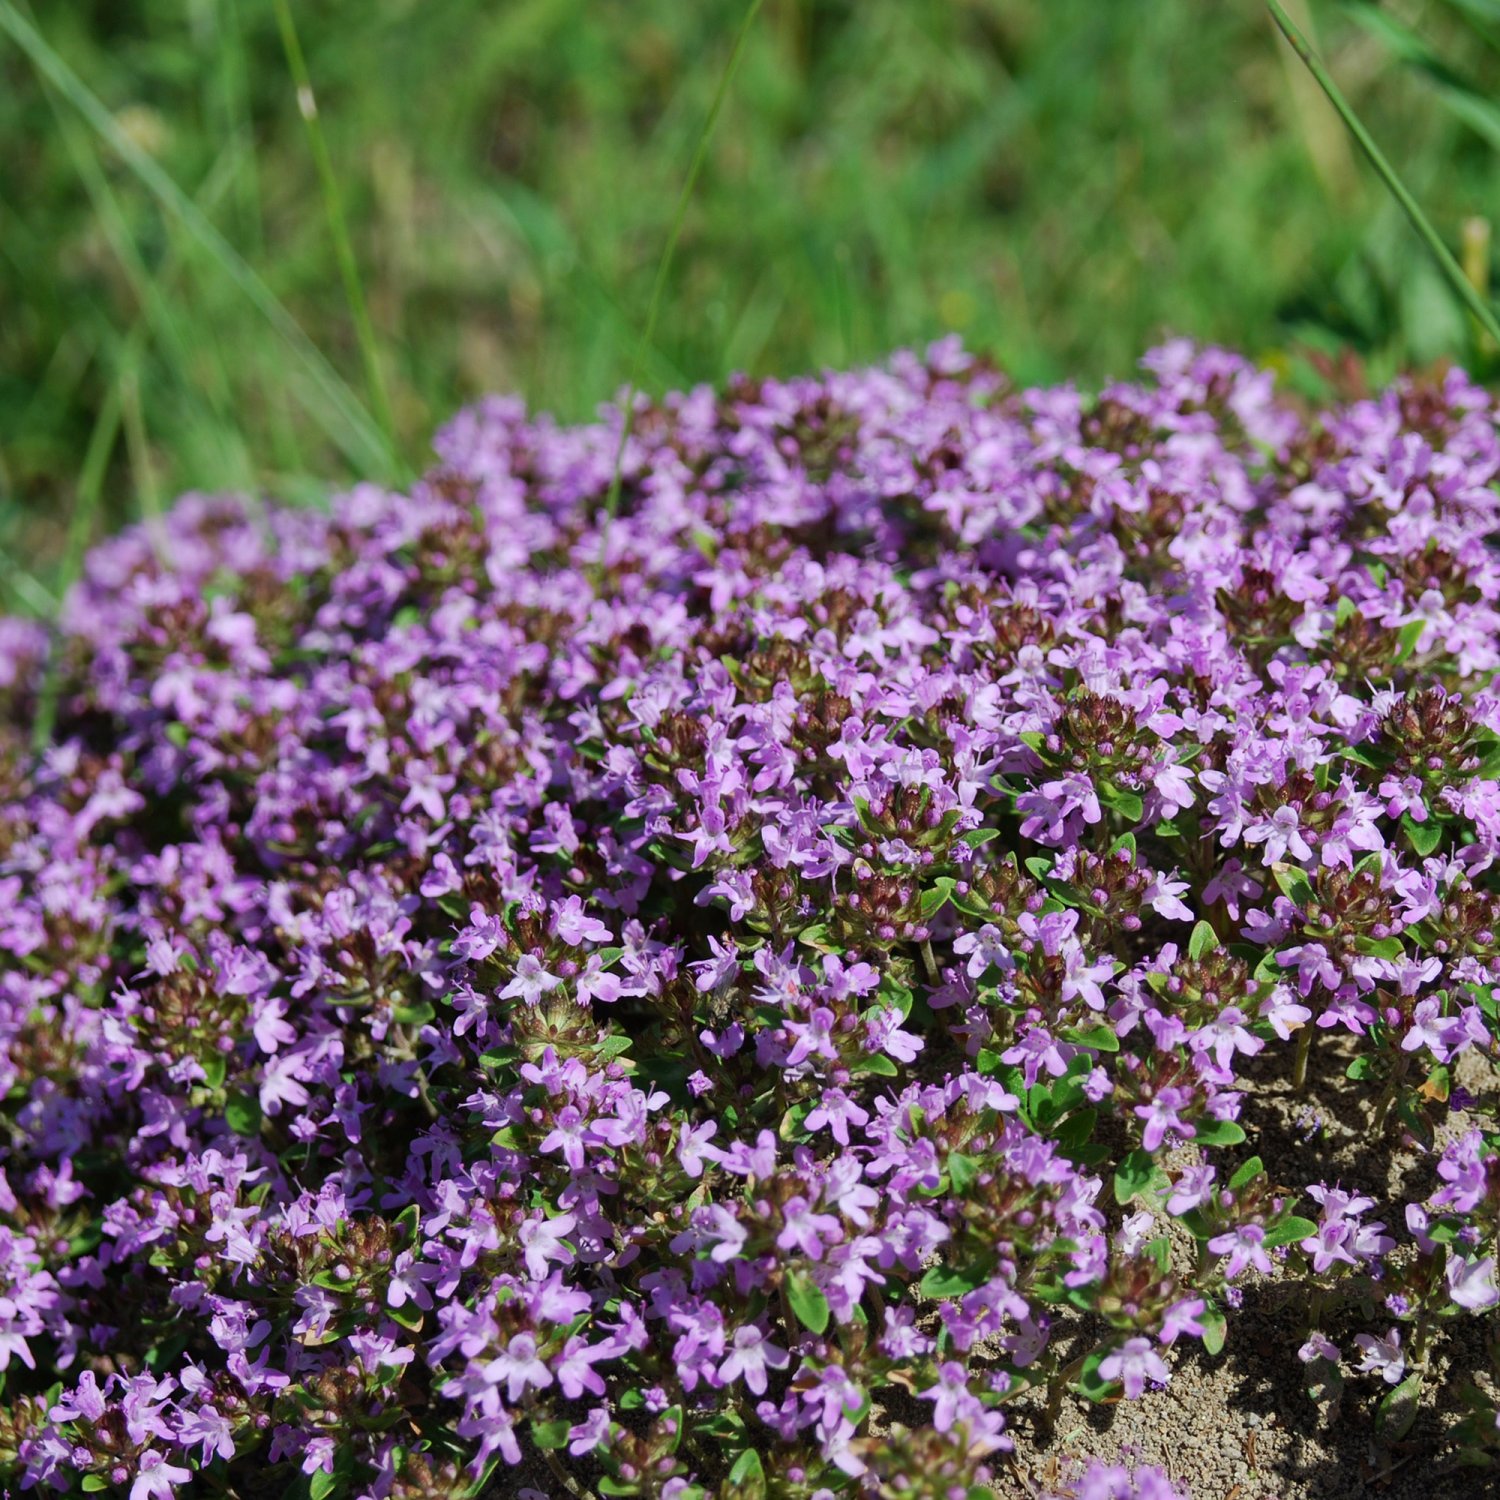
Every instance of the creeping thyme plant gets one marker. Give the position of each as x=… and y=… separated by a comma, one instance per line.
x=763, y=995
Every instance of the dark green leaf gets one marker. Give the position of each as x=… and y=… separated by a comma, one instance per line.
x=807, y=1300
x=242, y=1114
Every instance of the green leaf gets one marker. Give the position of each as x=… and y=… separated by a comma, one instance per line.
x=1407, y=638
x=876, y=1062
x=1117, y=799
x=1389, y=947
x=937, y=896
x=414, y=1015
x=747, y=1469
x=1246, y=1173
x=1423, y=837
x=976, y=837
x=1135, y=1175
x=1398, y=1409
x=92, y=1483
x=815, y=936
x=962, y=1170
x=548, y=1435
x=807, y=1299
x=1101, y=1037
x=1091, y=1385
x=214, y=1070
x=321, y=1483
x=1294, y=884
x=242, y=1114
x=1039, y=866
x=1215, y=1327
x=944, y=1281
x=1204, y=940
x=1218, y=1133
x=1288, y=1230
x=1195, y=1224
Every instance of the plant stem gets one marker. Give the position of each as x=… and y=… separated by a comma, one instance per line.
x=1299, y=1066
x=1387, y=173
x=928, y=961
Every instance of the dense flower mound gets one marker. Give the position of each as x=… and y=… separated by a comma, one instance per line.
x=763, y=996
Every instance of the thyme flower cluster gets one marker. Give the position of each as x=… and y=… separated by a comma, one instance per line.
x=760, y=995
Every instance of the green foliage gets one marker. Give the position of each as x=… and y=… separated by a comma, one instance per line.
x=1059, y=181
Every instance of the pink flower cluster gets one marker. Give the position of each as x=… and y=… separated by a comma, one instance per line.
x=729, y=999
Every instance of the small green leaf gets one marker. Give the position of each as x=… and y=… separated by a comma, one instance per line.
x=242, y=1114
x=876, y=1062
x=1423, y=837
x=1117, y=799
x=747, y=1469
x=414, y=1015
x=1407, y=638
x=1398, y=1409
x=1389, y=947
x=976, y=837
x=1135, y=1175
x=962, y=1170
x=547, y=1435
x=1091, y=1385
x=214, y=1070
x=1294, y=884
x=1288, y=1230
x=1204, y=940
x=942, y=1281
x=1246, y=1173
x=1218, y=1133
x=937, y=896
x=807, y=1300
x=1215, y=1328
x=1101, y=1037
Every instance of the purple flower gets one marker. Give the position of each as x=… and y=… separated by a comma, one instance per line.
x=750, y=1356
x=1243, y=1246
x=1133, y=1364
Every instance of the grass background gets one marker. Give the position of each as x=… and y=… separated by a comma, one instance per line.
x=1060, y=181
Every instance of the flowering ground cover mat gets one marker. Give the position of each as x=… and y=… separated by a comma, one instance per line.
x=934, y=939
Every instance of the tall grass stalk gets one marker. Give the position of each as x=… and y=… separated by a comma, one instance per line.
x=663, y=269
x=1450, y=267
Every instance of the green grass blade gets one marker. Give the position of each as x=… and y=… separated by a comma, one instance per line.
x=338, y=226
x=663, y=269
x=1387, y=173
x=356, y=432
x=1462, y=99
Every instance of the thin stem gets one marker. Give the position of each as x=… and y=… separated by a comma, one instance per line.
x=1387, y=173
x=562, y=1476
x=1304, y=1050
x=700, y=155
x=929, y=962
x=338, y=226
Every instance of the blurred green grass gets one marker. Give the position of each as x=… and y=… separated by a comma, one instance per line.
x=1060, y=181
